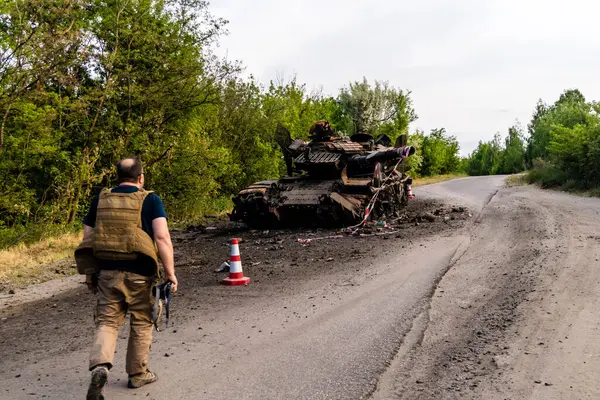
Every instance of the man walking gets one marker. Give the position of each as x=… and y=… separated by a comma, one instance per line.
x=126, y=228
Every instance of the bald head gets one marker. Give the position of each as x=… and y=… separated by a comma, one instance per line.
x=129, y=170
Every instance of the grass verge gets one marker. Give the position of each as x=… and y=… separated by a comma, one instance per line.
x=547, y=176
x=50, y=258
x=551, y=178
x=516, y=180
x=436, y=179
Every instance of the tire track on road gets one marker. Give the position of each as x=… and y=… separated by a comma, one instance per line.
x=458, y=344
x=416, y=333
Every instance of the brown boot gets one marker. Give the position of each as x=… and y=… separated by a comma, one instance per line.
x=98, y=381
x=139, y=380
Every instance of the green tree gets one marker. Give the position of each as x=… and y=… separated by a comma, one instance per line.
x=374, y=109
x=539, y=136
x=568, y=111
x=487, y=157
x=440, y=153
x=496, y=157
x=87, y=82
x=513, y=157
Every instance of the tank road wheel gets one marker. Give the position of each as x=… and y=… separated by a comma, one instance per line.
x=253, y=210
x=381, y=208
x=325, y=214
x=402, y=195
x=389, y=202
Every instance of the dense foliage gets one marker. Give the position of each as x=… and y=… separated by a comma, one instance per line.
x=438, y=152
x=84, y=83
x=562, y=148
x=495, y=157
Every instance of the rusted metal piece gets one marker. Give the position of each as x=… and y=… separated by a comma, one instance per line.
x=354, y=181
x=322, y=157
x=259, y=187
x=348, y=202
x=253, y=190
x=330, y=181
x=346, y=147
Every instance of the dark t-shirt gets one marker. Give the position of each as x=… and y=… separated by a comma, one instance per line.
x=151, y=209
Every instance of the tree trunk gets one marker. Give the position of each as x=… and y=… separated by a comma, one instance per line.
x=4, y=118
x=74, y=205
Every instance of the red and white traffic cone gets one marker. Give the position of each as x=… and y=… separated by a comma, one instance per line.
x=410, y=193
x=236, y=275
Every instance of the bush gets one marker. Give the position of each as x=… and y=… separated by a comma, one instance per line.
x=546, y=175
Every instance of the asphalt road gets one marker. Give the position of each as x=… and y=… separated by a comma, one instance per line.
x=445, y=316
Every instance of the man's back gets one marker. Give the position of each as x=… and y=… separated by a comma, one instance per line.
x=152, y=208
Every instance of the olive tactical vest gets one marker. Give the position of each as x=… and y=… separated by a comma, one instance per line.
x=118, y=233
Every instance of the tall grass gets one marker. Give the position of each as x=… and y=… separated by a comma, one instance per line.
x=23, y=264
x=436, y=179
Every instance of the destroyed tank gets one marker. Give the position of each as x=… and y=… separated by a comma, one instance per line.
x=330, y=181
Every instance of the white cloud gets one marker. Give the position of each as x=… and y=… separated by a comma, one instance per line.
x=474, y=66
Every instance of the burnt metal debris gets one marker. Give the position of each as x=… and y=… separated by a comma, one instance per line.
x=330, y=181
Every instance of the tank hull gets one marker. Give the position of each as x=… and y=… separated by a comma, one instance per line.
x=305, y=202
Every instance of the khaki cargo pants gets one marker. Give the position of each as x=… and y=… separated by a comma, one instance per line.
x=119, y=292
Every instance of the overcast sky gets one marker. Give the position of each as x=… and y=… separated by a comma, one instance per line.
x=473, y=66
